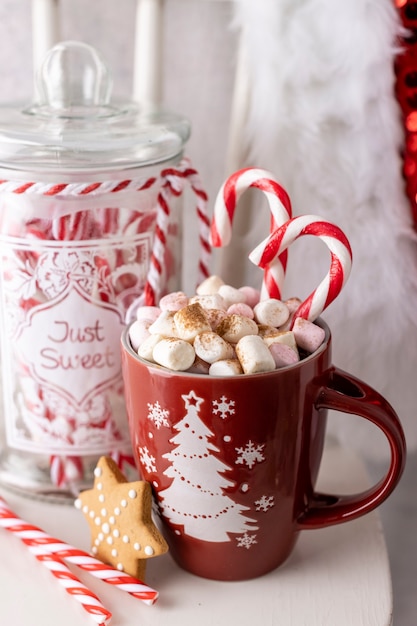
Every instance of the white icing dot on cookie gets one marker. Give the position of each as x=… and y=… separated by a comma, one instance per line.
x=97, y=542
x=97, y=521
x=102, y=497
x=99, y=486
x=94, y=550
x=132, y=493
x=112, y=519
x=85, y=509
x=124, y=503
x=98, y=472
x=116, y=533
x=91, y=514
x=100, y=536
x=125, y=539
x=117, y=511
x=149, y=550
x=120, y=567
x=114, y=552
x=103, y=512
x=78, y=503
x=109, y=540
x=105, y=528
x=136, y=546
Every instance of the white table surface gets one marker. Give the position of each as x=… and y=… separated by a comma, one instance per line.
x=335, y=576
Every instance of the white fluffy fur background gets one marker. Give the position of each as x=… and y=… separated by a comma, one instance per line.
x=330, y=131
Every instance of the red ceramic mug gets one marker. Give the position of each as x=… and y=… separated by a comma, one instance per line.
x=233, y=460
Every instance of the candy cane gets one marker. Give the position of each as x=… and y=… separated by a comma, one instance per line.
x=341, y=259
x=65, y=470
x=280, y=207
x=33, y=537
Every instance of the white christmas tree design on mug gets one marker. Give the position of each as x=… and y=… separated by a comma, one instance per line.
x=195, y=499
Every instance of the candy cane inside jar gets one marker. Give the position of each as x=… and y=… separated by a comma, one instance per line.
x=79, y=181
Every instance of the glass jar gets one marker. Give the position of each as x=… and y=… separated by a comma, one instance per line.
x=80, y=190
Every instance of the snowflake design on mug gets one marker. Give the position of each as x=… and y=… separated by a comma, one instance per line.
x=250, y=454
x=264, y=503
x=147, y=459
x=158, y=415
x=224, y=407
x=246, y=541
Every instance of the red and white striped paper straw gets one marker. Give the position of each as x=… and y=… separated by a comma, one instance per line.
x=279, y=205
x=340, y=263
x=62, y=574
x=73, y=586
x=33, y=537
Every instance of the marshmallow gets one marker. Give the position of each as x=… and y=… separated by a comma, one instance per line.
x=210, y=301
x=234, y=327
x=145, y=349
x=308, y=336
x=292, y=304
x=252, y=295
x=265, y=330
x=254, y=355
x=271, y=312
x=228, y=367
x=164, y=325
x=210, y=286
x=210, y=347
x=148, y=313
x=223, y=331
x=283, y=355
x=214, y=317
x=173, y=301
x=231, y=295
x=190, y=321
x=199, y=367
x=286, y=337
x=138, y=332
x=175, y=354
x=240, y=308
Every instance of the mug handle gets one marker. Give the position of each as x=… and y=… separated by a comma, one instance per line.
x=341, y=391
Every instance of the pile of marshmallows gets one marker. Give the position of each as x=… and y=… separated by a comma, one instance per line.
x=222, y=331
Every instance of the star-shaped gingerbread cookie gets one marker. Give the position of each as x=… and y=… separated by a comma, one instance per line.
x=119, y=515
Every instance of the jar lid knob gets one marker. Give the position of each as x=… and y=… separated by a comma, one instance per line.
x=73, y=75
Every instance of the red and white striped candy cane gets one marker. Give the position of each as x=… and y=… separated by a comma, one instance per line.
x=35, y=538
x=341, y=259
x=280, y=207
x=65, y=470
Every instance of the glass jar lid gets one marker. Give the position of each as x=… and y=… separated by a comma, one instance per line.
x=74, y=125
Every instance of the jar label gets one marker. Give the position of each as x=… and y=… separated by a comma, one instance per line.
x=63, y=313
